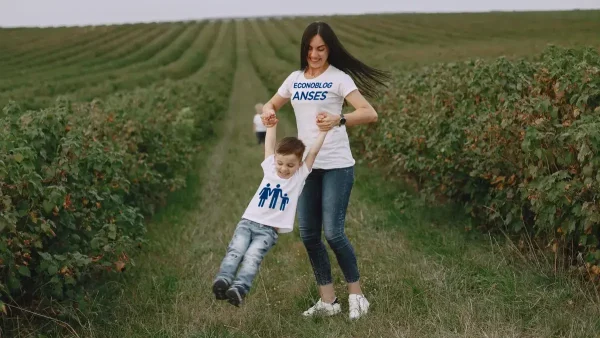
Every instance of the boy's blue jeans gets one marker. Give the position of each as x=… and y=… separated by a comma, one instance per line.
x=250, y=243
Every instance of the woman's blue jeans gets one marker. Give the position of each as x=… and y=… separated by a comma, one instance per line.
x=322, y=208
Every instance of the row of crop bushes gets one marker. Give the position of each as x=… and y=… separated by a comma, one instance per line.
x=78, y=179
x=516, y=142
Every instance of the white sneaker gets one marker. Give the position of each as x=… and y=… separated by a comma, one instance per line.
x=358, y=306
x=323, y=309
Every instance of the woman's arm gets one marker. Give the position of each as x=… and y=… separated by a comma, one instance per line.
x=363, y=113
x=271, y=107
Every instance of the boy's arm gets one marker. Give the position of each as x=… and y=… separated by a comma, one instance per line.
x=314, y=149
x=270, y=139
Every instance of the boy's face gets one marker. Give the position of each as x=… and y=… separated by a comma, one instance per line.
x=286, y=165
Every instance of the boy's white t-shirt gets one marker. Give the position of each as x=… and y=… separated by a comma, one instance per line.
x=325, y=93
x=275, y=201
x=260, y=127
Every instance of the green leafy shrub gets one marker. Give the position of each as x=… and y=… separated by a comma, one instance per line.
x=75, y=186
x=517, y=143
x=77, y=180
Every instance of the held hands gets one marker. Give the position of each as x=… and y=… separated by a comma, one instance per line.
x=269, y=119
x=326, y=121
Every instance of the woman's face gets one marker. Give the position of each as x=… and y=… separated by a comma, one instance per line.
x=317, y=52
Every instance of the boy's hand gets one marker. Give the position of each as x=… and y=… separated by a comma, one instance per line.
x=269, y=119
x=326, y=121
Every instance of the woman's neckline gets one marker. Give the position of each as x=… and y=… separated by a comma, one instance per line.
x=316, y=77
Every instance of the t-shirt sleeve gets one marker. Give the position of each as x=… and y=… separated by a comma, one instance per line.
x=285, y=90
x=268, y=163
x=347, y=85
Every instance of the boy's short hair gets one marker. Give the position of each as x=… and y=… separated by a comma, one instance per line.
x=258, y=108
x=290, y=145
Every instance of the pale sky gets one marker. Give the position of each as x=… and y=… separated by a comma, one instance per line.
x=87, y=12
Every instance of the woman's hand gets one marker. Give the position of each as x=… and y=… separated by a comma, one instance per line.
x=326, y=121
x=269, y=119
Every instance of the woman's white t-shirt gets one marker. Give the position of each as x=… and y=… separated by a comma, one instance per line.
x=308, y=97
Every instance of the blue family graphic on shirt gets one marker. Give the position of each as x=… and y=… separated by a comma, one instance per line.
x=274, y=193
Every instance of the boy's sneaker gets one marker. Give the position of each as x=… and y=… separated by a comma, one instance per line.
x=323, y=309
x=235, y=295
x=358, y=306
x=219, y=287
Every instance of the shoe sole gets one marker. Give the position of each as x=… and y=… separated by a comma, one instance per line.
x=219, y=289
x=234, y=297
x=322, y=314
x=362, y=315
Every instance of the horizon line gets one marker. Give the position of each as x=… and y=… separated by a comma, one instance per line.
x=284, y=16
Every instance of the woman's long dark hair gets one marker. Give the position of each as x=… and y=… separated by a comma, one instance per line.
x=366, y=78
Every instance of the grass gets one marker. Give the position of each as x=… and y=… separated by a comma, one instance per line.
x=465, y=286
x=424, y=277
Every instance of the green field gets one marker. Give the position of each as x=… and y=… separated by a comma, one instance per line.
x=192, y=86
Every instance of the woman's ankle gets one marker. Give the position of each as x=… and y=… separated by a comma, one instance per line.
x=329, y=300
x=354, y=288
x=327, y=293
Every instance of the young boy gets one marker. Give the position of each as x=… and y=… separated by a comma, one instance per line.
x=271, y=212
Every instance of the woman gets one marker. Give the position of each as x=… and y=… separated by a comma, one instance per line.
x=317, y=92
